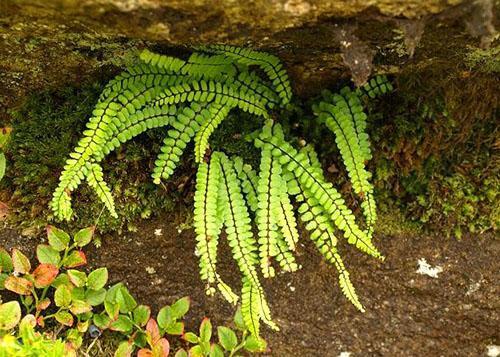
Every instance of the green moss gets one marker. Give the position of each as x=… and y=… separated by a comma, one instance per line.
x=433, y=167
x=484, y=60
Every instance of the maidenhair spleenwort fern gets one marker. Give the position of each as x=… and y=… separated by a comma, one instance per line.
x=190, y=98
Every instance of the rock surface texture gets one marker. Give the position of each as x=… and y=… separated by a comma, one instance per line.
x=50, y=43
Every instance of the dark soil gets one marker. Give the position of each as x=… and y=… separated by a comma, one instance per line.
x=408, y=314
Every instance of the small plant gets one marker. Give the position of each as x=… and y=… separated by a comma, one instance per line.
x=56, y=297
x=191, y=98
x=28, y=342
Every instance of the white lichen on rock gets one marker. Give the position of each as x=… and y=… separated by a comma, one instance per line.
x=425, y=268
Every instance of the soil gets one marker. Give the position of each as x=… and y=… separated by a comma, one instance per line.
x=408, y=314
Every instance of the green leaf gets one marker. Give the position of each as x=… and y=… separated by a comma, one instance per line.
x=238, y=320
x=61, y=279
x=196, y=351
x=190, y=337
x=58, y=239
x=206, y=330
x=20, y=261
x=124, y=349
x=84, y=236
x=180, y=307
x=125, y=300
x=78, y=293
x=97, y=279
x=64, y=318
x=227, y=338
x=95, y=297
x=122, y=324
x=177, y=328
x=3, y=277
x=62, y=296
x=255, y=344
x=141, y=339
x=165, y=318
x=78, y=278
x=47, y=254
x=10, y=315
x=216, y=351
x=5, y=262
x=141, y=315
x=112, y=309
x=102, y=321
x=3, y=163
x=80, y=307
x=75, y=259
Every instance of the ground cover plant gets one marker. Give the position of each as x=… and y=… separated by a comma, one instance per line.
x=58, y=304
x=191, y=98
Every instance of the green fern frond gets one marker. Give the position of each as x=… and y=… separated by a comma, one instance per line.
x=203, y=66
x=346, y=119
x=375, y=87
x=322, y=234
x=137, y=123
x=207, y=227
x=237, y=220
x=250, y=308
x=267, y=197
x=285, y=257
x=138, y=75
x=270, y=64
x=214, y=115
x=96, y=181
x=311, y=180
x=185, y=125
x=285, y=217
x=249, y=182
x=208, y=91
x=99, y=128
x=260, y=89
x=168, y=63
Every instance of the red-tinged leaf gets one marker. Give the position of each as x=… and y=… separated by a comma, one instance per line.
x=4, y=211
x=153, y=331
x=40, y=321
x=18, y=285
x=144, y=352
x=44, y=275
x=75, y=259
x=161, y=348
x=43, y=304
x=20, y=261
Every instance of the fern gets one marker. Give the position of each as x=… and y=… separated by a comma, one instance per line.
x=189, y=99
x=270, y=64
